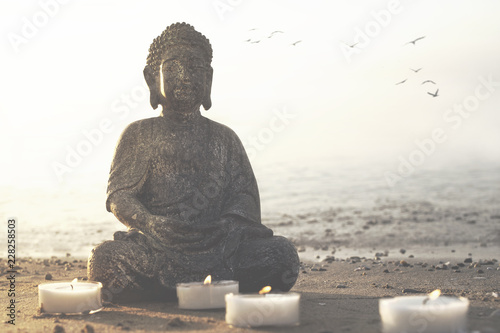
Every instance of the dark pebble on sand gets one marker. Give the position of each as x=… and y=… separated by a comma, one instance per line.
x=404, y=263
x=403, y=251
x=468, y=260
x=59, y=329
x=386, y=271
x=341, y=286
x=480, y=271
x=48, y=276
x=88, y=329
x=175, y=322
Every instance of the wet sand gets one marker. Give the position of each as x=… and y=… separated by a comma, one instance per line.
x=337, y=295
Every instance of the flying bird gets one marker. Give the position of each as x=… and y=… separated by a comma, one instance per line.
x=296, y=42
x=275, y=32
x=435, y=94
x=428, y=81
x=255, y=41
x=351, y=45
x=401, y=81
x=415, y=40
x=416, y=70
x=248, y=40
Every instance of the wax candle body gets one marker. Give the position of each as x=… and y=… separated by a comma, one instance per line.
x=70, y=297
x=198, y=296
x=262, y=310
x=410, y=314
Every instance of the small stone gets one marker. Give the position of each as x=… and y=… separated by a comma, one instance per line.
x=341, y=286
x=411, y=256
x=480, y=271
x=322, y=269
x=68, y=254
x=386, y=271
x=468, y=260
x=404, y=263
x=48, y=276
x=59, y=329
x=88, y=329
x=175, y=322
x=403, y=251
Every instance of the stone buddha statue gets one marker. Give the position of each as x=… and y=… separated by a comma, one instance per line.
x=184, y=187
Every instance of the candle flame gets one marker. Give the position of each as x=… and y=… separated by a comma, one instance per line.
x=432, y=296
x=75, y=280
x=208, y=280
x=435, y=294
x=265, y=290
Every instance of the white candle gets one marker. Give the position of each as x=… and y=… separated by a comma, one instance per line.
x=70, y=297
x=200, y=295
x=423, y=314
x=248, y=310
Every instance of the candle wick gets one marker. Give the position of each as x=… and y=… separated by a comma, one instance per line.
x=426, y=300
x=71, y=286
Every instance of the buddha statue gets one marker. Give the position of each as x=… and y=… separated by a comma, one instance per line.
x=184, y=187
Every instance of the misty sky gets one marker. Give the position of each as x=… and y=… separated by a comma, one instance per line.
x=72, y=80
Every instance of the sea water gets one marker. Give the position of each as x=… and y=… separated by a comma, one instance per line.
x=331, y=204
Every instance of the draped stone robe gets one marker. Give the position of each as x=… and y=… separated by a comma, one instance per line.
x=198, y=174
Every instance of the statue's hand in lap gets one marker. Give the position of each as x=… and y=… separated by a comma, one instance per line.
x=173, y=231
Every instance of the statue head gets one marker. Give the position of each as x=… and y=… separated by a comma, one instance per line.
x=178, y=70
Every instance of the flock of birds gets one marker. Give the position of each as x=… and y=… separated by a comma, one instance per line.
x=434, y=94
x=274, y=33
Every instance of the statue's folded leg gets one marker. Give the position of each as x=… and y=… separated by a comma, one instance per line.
x=264, y=262
x=126, y=269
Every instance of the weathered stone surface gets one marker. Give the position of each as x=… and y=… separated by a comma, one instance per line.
x=184, y=186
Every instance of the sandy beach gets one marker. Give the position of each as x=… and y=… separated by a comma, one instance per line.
x=423, y=237
x=337, y=295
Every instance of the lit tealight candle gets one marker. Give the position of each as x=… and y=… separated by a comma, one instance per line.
x=431, y=313
x=205, y=295
x=252, y=310
x=70, y=297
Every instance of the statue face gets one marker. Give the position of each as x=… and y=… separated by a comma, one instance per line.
x=183, y=78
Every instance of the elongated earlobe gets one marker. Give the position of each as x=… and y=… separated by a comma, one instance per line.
x=207, y=100
x=151, y=80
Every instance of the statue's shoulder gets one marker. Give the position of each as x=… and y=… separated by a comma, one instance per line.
x=222, y=129
x=141, y=129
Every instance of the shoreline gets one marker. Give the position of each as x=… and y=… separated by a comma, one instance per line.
x=337, y=295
